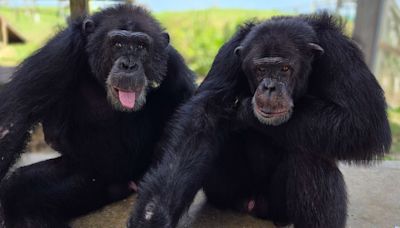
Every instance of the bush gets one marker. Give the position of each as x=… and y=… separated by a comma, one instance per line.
x=199, y=34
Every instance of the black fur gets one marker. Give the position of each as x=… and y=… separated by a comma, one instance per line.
x=62, y=86
x=290, y=170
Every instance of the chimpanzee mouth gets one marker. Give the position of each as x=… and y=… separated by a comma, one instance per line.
x=126, y=99
x=273, y=118
x=124, y=94
x=271, y=114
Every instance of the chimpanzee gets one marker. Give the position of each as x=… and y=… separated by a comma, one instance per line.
x=103, y=89
x=284, y=101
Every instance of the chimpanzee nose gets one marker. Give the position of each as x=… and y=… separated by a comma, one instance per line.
x=127, y=65
x=269, y=86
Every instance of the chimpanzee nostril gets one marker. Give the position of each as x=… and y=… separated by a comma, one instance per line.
x=127, y=65
x=133, y=66
x=124, y=65
x=269, y=86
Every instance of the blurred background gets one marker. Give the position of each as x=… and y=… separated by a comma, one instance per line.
x=199, y=28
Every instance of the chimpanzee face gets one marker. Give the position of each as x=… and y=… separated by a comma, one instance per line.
x=277, y=71
x=127, y=80
x=127, y=58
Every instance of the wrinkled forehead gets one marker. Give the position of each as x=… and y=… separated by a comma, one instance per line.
x=271, y=46
x=129, y=21
x=271, y=60
x=276, y=40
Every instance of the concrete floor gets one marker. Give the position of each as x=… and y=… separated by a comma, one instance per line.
x=374, y=202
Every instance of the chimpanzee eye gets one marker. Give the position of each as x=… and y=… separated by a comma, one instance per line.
x=285, y=68
x=118, y=45
x=260, y=69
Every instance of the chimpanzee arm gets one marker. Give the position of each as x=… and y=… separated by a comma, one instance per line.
x=169, y=188
x=344, y=114
x=190, y=148
x=40, y=81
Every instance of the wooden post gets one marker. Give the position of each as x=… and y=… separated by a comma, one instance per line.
x=78, y=8
x=367, y=28
x=3, y=31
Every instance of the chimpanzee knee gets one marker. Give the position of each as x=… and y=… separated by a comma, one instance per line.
x=316, y=192
x=20, y=208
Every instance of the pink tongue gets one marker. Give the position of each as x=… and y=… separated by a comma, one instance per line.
x=127, y=99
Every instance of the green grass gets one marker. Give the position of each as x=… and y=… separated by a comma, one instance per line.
x=199, y=34
x=196, y=34
x=36, y=32
x=394, y=116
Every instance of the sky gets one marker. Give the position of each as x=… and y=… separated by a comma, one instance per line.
x=169, y=5
x=180, y=5
x=297, y=6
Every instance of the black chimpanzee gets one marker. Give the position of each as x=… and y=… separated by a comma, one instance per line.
x=103, y=90
x=284, y=101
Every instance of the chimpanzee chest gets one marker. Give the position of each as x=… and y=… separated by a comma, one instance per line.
x=91, y=104
x=86, y=128
x=261, y=153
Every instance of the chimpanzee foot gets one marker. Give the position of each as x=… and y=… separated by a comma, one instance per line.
x=259, y=207
x=132, y=185
x=250, y=205
x=245, y=206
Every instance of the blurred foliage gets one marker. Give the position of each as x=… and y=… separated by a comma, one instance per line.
x=199, y=34
x=196, y=34
x=36, y=26
x=394, y=116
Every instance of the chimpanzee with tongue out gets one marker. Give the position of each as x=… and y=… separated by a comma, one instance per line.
x=103, y=90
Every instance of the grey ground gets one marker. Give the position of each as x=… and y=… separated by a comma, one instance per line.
x=374, y=202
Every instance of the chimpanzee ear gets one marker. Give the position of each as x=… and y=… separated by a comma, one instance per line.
x=88, y=26
x=316, y=49
x=165, y=36
x=238, y=51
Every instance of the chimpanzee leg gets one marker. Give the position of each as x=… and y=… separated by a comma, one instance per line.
x=50, y=193
x=229, y=183
x=316, y=192
x=277, y=196
x=226, y=189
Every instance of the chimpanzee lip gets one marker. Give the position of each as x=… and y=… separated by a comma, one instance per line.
x=116, y=89
x=271, y=114
x=123, y=90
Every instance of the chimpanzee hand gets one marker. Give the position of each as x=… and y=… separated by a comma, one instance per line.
x=149, y=214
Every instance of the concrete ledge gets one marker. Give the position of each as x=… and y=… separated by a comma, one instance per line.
x=374, y=201
x=5, y=74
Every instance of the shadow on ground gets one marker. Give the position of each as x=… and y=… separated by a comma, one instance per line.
x=201, y=215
